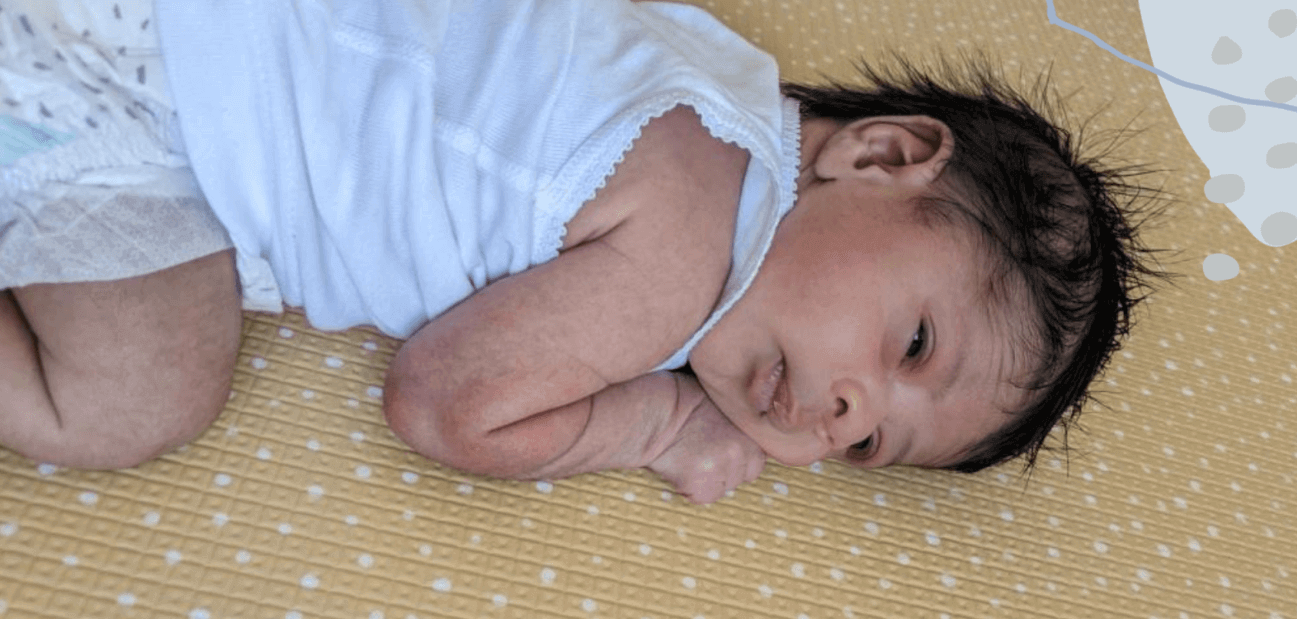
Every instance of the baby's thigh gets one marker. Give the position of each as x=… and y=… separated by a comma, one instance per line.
x=139, y=366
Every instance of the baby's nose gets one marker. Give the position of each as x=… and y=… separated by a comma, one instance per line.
x=847, y=421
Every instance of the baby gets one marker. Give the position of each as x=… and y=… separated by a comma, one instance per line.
x=612, y=238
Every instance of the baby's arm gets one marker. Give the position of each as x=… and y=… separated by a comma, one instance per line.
x=708, y=455
x=545, y=373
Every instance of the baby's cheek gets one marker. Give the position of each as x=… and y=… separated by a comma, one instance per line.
x=792, y=451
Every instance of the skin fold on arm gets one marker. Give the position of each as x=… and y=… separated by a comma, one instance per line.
x=547, y=373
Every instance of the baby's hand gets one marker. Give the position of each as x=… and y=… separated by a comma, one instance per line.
x=709, y=456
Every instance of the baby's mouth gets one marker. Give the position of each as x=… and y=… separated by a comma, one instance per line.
x=768, y=386
x=776, y=398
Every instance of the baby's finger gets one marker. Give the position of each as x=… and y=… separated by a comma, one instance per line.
x=722, y=487
x=703, y=497
x=695, y=490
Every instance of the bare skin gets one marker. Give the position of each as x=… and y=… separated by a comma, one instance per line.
x=544, y=374
x=547, y=373
x=865, y=337
x=111, y=374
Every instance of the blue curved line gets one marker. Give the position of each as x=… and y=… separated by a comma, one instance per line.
x=1053, y=19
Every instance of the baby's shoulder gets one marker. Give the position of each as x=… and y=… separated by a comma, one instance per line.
x=675, y=175
x=670, y=208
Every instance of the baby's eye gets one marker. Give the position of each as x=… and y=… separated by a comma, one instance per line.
x=864, y=449
x=918, y=342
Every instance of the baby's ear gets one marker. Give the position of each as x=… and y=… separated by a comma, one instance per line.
x=887, y=150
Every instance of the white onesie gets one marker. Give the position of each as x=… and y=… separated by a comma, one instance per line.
x=377, y=162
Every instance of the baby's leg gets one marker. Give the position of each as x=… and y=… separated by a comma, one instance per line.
x=111, y=374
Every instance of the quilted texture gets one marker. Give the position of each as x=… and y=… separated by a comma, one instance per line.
x=1177, y=500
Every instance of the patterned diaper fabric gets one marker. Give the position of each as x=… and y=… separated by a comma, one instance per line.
x=94, y=182
x=1177, y=498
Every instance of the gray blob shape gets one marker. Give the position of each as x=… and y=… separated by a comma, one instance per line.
x=1281, y=90
x=1226, y=118
x=1220, y=267
x=1226, y=51
x=1283, y=22
x=1224, y=189
x=1282, y=156
x=1279, y=229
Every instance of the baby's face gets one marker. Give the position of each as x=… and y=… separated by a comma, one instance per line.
x=863, y=337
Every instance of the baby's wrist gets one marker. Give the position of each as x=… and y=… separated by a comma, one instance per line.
x=689, y=395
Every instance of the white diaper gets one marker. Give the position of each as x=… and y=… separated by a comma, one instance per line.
x=94, y=181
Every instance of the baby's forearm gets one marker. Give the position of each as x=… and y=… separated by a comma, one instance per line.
x=624, y=426
x=628, y=426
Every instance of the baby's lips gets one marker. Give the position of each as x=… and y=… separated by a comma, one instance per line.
x=764, y=391
x=781, y=407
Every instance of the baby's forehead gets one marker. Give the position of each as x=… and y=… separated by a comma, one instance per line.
x=996, y=297
x=1001, y=288
x=1013, y=325
x=991, y=289
x=996, y=285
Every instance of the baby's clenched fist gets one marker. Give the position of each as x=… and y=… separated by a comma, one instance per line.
x=709, y=456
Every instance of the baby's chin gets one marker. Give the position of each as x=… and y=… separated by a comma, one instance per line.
x=721, y=397
x=721, y=390
x=726, y=375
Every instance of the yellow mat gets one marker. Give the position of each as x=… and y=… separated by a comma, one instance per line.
x=1179, y=500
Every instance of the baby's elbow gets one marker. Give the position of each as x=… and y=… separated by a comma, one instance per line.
x=432, y=428
x=414, y=419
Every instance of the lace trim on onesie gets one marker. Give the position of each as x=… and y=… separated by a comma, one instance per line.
x=558, y=207
x=559, y=201
x=747, y=260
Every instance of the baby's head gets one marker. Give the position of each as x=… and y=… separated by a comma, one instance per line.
x=983, y=232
